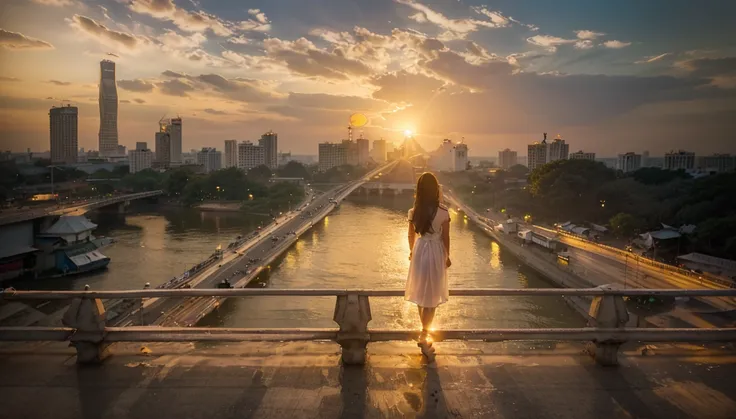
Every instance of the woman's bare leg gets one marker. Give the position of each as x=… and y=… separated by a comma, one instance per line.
x=427, y=316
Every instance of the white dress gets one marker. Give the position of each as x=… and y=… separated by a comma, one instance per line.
x=426, y=285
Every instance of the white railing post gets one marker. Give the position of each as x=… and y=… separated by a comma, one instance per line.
x=352, y=314
x=87, y=316
x=607, y=311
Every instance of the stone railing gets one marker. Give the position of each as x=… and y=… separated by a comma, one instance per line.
x=85, y=325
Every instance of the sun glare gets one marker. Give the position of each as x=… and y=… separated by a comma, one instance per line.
x=408, y=133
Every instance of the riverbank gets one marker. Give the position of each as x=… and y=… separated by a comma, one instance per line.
x=220, y=206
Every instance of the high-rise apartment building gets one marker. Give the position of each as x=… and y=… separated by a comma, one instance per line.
x=270, y=143
x=231, y=154
x=460, y=157
x=557, y=150
x=63, y=123
x=163, y=150
x=675, y=160
x=141, y=158
x=363, y=146
x=536, y=155
x=332, y=155
x=629, y=162
x=379, y=150
x=351, y=152
x=108, y=102
x=250, y=155
x=175, y=131
x=717, y=163
x=581, y=155
x=506, y=158
x=210, y=158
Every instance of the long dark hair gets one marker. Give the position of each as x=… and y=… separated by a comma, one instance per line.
x=426, y=202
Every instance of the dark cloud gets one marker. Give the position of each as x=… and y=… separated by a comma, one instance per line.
x=238, y=89
x=59, y=83
x=334, y=102
x=101, y=32
x=16, y=40
x=303, y=57
x=139, y=100
x=190, y=21
x=124, y=101
x=175, y=87
x=173, y=74
x=4, y=78
x=711, y=67
x=215, y=111
x=137, y=85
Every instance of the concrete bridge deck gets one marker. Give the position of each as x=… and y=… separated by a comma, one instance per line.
x=306, y=380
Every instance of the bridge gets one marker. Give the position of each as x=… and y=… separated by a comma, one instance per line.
x=74, y=209
x=366, y=372
x=240, y=263
x=401, y=179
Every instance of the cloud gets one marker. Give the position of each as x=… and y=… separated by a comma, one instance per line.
x=60, y=83
x=175, y=41
x=335, y=102
x=137, y=85
x=454, y=28
x=100, y=32
x=614, y=44
x=124, y=101
x=549, y=42
x=496, y=17
x=652, y=58
x=259, y=23
x=303, y=57
x=584, y=44
x=11, y=79
x=194, y=21
x=240, y=89
x=175, y=87
x=721, y=71
x=259, y=15
x=16, y=40
x=136, y=100
x=405, y=87
x=173, y=74
x=586, y=34
x=58, y=3
x=214, y=111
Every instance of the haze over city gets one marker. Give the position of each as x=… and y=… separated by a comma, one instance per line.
x=610, y=78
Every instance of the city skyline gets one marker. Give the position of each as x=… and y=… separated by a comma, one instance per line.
x=442, y=70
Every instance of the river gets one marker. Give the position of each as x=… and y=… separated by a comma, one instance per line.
x=361, y=245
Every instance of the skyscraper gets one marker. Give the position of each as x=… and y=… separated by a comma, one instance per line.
x=210, y=158
x=231, y=154
x=363, y=150
x=557, y=150
x=379, y=150
x=163, y=150
x=506, y=158
x=63, y=134
x=175, y=130
x=628, y=162
x=250, y=155
x=108, y=136
x=141, y=158
x=332, y=155
x=270, y=142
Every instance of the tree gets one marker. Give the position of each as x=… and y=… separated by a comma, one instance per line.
x=624, y=225
x=260, y=173
x=294, y=169
x=518, y=171
x=177, y=180
x=656, y=176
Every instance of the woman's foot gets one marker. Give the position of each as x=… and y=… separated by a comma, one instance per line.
x=424, y=339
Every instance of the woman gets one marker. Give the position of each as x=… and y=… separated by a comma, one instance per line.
x=429, y=244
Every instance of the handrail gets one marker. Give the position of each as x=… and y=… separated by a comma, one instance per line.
x=11, y=294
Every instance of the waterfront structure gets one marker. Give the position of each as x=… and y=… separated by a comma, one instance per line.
x=717, y=163
x=628, y=162
x=363, y=146
x=231, y=154
x=250, y=155
x=506, y=158
x=379, y=150
x=63, y=124
x=210, y=158
x=581, y=155
x=675, y=160
x=270, y=143
x=141, y=158
x=68, y=247
x=331, y=155
x=108, y=102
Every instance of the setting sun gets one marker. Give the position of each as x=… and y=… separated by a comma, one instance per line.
x=408, y=132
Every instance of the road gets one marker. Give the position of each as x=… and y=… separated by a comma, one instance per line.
x=244, y=263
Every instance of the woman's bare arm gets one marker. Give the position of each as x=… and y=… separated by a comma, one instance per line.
x=412, y=237
x=446, y=240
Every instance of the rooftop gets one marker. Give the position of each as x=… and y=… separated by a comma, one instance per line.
x=306, y=380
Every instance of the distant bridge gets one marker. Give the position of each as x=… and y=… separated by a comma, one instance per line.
x=401, y=178
x=76, y=209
